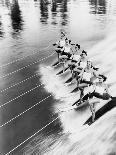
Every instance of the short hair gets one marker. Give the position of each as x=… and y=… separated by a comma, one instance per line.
x=63, y=33
x=84, y=52
x=77, y=45
x=66, y=38
x=89, y=61
x=103, y=77
x=69, y=41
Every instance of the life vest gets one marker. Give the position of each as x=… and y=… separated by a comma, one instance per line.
x=87, y=76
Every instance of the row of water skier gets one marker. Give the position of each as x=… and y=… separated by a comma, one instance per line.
x=83, y=71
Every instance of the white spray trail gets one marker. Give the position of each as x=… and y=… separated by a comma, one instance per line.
x=97, y=139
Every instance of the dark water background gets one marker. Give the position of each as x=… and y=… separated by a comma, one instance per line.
x=28, y=26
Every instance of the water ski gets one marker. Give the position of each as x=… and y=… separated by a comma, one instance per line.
x=99, y=113
x=69, y=80
x=55, y=64
x=77, y=103
x=62, y=71
x=75, y=90
x=80, y=105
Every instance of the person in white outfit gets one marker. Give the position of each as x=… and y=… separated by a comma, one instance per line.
x=99, y=90
x=60, y=44
x=79, y=65
x=84, y=79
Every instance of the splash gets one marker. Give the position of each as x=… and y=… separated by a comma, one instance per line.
x=62, y=93
x=53, y=83
x=100, y=137
x=97, y=139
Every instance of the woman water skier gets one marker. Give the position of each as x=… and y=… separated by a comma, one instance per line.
x=82, y=63
x=60, y=44
x=84, y=79
x=86, y=75
x=74, y=56
x=79, y=65
x=77, y=50
x=98, y=90
x=66, y=52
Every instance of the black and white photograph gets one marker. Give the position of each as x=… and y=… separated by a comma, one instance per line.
x=57, y=77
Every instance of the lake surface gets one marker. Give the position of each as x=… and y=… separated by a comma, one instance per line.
x=28, y=28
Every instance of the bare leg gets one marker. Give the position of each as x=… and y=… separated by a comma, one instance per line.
x=93, y=112
x=64, y=65
x=58, y=52
x=73, y=74
x=58, y=57
x=71, y=71
x=81, y=94
x=92, y=108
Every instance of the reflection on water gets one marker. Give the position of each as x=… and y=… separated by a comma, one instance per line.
x=44, y=12
x=98, y=6
x=1, y=29
x=54, y=8
x=58, y=9
x=7, y=3
x=16, y=18
x=63, y=10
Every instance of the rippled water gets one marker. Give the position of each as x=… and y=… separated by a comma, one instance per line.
x=27, y=30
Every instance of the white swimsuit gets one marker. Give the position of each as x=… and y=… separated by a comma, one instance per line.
x=86, y=76
x=99, y=89
x=67, y=49
x=76, y=57
x=83, y=64
x=62, y=43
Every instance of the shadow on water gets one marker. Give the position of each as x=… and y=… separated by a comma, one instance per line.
x=98, y=6
x=16, y=19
